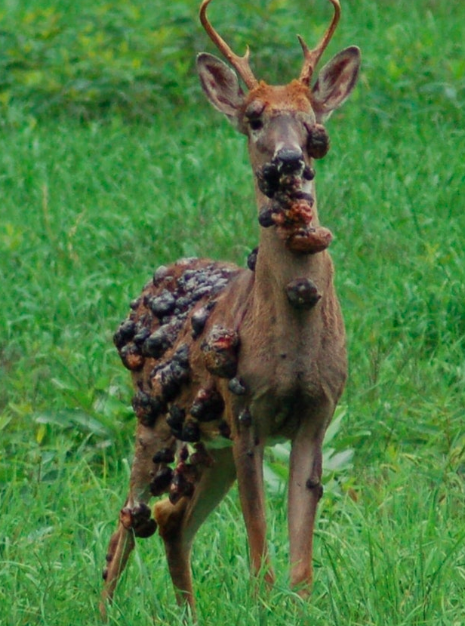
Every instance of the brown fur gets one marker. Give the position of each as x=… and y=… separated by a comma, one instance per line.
x=292, y=97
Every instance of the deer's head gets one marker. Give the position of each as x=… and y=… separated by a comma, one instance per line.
x=284, y=124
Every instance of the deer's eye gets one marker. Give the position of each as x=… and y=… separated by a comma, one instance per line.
x=253, y=114
x=256, y=124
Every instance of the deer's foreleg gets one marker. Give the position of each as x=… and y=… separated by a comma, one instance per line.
x=178, y=524
x=135, y=517
x=248, y=457
x=305, y=490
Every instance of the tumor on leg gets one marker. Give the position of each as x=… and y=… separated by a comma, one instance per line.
x=139, y=520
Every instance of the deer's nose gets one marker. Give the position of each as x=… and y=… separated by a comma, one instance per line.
x=289, y=160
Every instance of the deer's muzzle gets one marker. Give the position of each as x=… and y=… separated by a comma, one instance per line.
x=289, y=161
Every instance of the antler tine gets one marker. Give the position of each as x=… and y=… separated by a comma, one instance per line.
x=240, y=63
x=311, y=57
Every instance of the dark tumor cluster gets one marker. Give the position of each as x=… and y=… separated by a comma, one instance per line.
x=317, y=141
x=179, y=480
x=289, y=208
x=160, y=314
x=156, y=343
x=220, y=350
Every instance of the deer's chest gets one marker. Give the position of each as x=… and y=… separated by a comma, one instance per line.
x=281, y=389
x=288, y=375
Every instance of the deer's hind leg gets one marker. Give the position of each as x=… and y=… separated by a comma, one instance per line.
x=135, y=517
x=179, y=523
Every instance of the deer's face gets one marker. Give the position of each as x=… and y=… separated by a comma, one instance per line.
x=281, y=120
x=280, y=125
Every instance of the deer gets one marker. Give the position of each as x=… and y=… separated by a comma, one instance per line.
x=227, y=360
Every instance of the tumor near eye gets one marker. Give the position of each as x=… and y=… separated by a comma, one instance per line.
x=318, y=141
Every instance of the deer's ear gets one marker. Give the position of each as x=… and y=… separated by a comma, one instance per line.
x=335, y=82
x=220, y=84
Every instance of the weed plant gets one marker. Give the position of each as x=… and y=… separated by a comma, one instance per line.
x=112, y=163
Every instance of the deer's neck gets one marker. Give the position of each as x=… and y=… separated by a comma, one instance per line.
x=276, y=268
x=277, y=265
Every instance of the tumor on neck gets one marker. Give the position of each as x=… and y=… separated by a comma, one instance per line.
x=290, y=207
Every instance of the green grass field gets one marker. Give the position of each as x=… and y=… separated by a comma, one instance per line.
x=112, y=163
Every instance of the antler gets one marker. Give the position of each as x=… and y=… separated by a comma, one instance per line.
x=240, y=63
x=311, y=57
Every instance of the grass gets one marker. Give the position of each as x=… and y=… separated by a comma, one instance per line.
x=88, y=210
